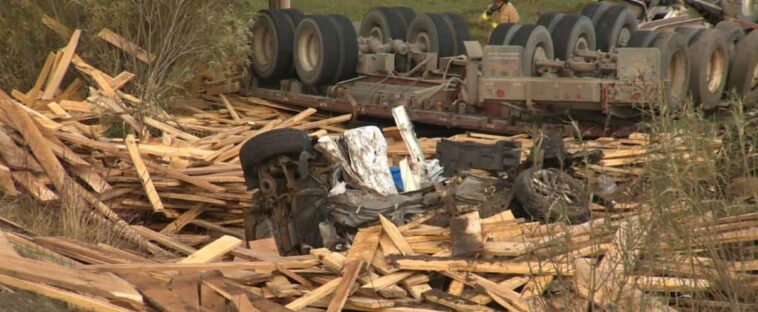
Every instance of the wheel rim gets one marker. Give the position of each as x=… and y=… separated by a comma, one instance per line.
x=264, y=44
x=422, y=39
x=582, y=44
x=539, y=55
x=676, y=73
x=748, y=9
x=309, y=49
x=715, y=70
x=377, y=33
x=624, y=37
x=754, y=84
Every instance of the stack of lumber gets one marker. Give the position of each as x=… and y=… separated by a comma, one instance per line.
x=520, y=266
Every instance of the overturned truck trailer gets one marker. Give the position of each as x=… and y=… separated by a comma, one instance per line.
x=600, y=63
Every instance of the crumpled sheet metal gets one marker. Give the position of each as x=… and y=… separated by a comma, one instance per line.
x=357, y=209
x=367, y=149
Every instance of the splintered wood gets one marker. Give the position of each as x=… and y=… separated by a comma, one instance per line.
x=178, y=178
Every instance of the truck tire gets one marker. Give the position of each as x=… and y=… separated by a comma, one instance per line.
x=315, y=38
x=272, y=36
x=642, y=39
x=552, y=195
x=550, y=20
x=348, y=43
x=675, y=68
x=614, y=28
x=537, y=44
x=710, y=64
x=503, y=34
x=433, y=31
x=460, y=31
x=743, y=78
x=270, y=144
x=573, y=33
x=407, y=15
x=595, y=10
x=382, y=23
x=690, y=33
x=733, y=33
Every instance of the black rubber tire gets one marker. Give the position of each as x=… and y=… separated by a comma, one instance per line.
x=675, y=64
x=406, y=14
x=733, y=33
x=543, y=208
x=743, y=78
x=437, y=29
x=348, y=44
x=295, y=17
x=272, y=45
x=690, y=33
x=460, y=31
x=532, y=37
x=550, y=20
x=569, y=32
x=709, y=55
x=595, y=10
x=614, y=27
x=503, y=34
x=316, y=32
x=270, y=144
x=387, y=20
x=642, y=39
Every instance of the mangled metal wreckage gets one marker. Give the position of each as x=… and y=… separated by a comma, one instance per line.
x=310, y=194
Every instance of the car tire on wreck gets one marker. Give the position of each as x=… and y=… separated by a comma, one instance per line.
x=710, y=65
x=733, y=33
x=643, y=39
x=675, y=68
x=615, y=27
x=272, y=37
x=271, y=144
x=552, y=195
x=743, y=76
x=460, y=31
x=537, y=44
x=315, y=40
x=348, y=47
x=385, y=24
x=595, y=10
x=550, y=20
x=433, y=31
x=573, y=33
x=503, y=34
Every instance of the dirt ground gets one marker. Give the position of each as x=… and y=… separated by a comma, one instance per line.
x=23, y=301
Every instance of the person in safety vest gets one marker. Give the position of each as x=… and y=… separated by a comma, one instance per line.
x=501, y=11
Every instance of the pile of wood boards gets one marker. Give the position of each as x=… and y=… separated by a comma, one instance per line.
x=178, y=178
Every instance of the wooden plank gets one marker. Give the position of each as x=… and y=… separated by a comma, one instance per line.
x=182, y=220
x=60, y=71
x=294, y=120
x=387, y=280
x=32, y=185
x=163, y=239
x=169, y=129
x=42, y=78
x=396, y=237
x=143, y=174
x=56, y=275
x=125, y=45
x=232, y=112
x=198, y=267
x=456, y=303
x=15, y=156
x=57, y=27
x=315, y=295
x=120, y=80
x=6, y=181
x=325, y=122
x=213, y=251
x=6, y=249
x=349, y=275
x=92, y=178
x=74, y=299
x=424, y=263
